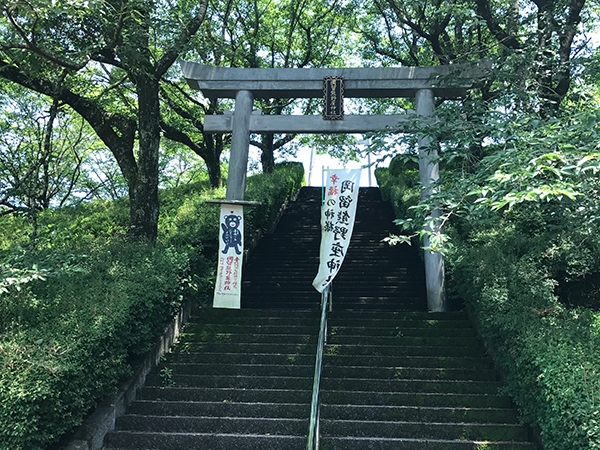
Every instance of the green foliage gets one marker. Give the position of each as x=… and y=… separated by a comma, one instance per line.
x=548, y=353
x=399, y=184
x=500, y=162
x=65, y=339
x=12, y=230
x=521, y=206
x=74, y=312
x=272, y=191
x=42, y=153
x=82, y=225
x=187, y=221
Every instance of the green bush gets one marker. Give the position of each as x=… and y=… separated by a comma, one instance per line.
x=13, y=230
x=399, y=185
x=192, y=223
x=272, y=190
x=508, y=271
x=76, y=310
x=66, y=339
x=549, y=354
x=98, y=221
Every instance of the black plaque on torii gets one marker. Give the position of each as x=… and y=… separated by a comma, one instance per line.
x=333, y=98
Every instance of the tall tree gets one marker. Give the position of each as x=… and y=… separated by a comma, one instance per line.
x=506, y=142
x=183, y=111
x=285, y=34
x=81, y=55
x=532, y=43
x=42, y=154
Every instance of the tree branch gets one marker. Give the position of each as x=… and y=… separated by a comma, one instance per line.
x=31, y=46
x=483, y=9
x=171, y=55
x=115, y=130
x=181, y=111
x=177, y=135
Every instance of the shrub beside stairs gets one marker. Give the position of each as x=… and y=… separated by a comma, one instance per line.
x=394, y=376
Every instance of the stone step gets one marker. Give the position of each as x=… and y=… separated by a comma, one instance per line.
x=409, y=373
x=377, y=318
x=402, y=331
x=234, y=381
x=128, y=440
x=259, y=319
x=240, y=358
x=387, y=328
x=223, y=425
x=244, y=348
x=377, y=443
x=219, y=314
x=227, y=394
x=377, y=277
x=418, y=414
x=275, y=370
x=357, y=267
x=235, y=328
x=422, y=430
x=248, y=338
x=371, y=322
x=190, y=408
x=303, y=288
x=383, y=321
x=474, y=363
x=412, y=385
x=403, y=340
x=350, y=293
x=386, y=398
x=394, y=350
x=281, y=304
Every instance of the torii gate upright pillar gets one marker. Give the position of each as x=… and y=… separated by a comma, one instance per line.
x=240, y=142
x=428, y=175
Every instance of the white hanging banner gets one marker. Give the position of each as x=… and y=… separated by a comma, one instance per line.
x=228, y=286
x=337, y=221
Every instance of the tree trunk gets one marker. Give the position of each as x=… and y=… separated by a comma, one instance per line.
x=214, y=173
x=267, y=158
x=212, y=158
x=143, y=191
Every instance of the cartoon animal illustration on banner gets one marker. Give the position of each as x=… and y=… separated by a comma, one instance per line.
x=232, y=237
x=228, y=285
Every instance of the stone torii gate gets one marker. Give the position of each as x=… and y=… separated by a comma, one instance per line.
x=244, y=85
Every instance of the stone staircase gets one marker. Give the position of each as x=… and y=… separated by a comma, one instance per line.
x=412, y=380
x=394, y=376
x=236, y=380
x=280, y=271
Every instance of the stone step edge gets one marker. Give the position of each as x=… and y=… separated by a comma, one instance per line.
x=323, y=405
x=278, y=438
x=200, y=403
x=336, y=367
x=228, y=418
x=428, y=442
x=342, y=421
x=174, y=433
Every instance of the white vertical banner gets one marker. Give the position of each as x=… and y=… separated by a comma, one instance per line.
x=228, y=286
x=337, y=222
